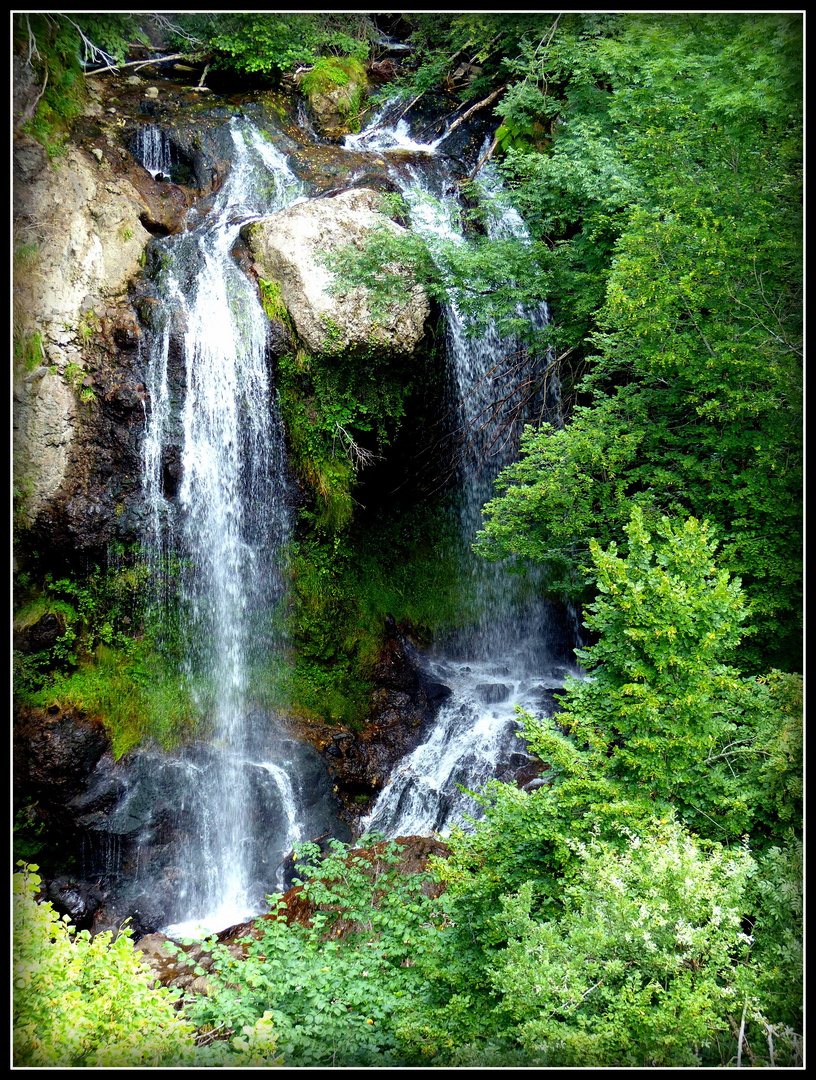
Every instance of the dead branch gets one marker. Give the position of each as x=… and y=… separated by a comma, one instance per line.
x=410, y=105
x=32, y=44
x=357, y=455
x=486, y=156
x=474, y=108
x=139, y=63
x=201, y=85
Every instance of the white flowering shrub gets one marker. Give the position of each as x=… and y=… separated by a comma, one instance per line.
x=643, y=968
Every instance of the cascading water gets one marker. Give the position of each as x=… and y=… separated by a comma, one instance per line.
x=503, y=659
x=227, y=520
x=155, y=151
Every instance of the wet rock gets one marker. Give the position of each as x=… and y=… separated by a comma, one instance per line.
x=279, y=341
x=145, y=913
x=404, y=703
x=43, y=634
x=437, y=692
x=493, y=693
x=80, y=900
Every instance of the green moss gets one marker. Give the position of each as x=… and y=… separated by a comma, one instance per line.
x=29, y=352
x=131, y=694
x=272, y=301
x=331, y=71
x=341, y=410
x=26, y=256
x=344, y=73
x=109, y=660
x=37, y=609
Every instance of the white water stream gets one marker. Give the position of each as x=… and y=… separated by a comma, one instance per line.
x=155, y=151
x=502, y=661
x=227, y=522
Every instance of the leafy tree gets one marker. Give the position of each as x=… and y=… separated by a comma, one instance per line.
x=657, y=161
x=274, y=43
x=672, y=194
x=660, y=726
x=660, y=710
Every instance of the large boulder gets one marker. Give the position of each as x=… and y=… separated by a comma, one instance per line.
x=288, y=247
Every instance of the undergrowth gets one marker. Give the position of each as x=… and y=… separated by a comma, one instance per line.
x=102, y=653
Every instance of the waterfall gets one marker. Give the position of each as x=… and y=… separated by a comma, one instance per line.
x=155, y=151
x=503, y=659
x=226, y=520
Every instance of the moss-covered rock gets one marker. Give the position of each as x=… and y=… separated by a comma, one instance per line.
x=289, y=247
x=336, y=88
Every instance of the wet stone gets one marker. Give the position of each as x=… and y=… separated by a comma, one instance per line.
x=493, y=693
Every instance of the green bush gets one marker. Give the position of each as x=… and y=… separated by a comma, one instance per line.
x=642, y=969
x=331, y=988
x=86, y=1002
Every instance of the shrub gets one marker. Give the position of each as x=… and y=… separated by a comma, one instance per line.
x=86, y=1002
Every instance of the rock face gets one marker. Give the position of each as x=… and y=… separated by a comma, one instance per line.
x=55, y=753
x=404, y=703
x=81, y=229
x=78, y=244
x=288, y=247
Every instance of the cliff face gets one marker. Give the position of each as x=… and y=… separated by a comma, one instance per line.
x=77, y=388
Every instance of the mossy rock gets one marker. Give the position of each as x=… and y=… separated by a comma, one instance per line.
x=336, y=88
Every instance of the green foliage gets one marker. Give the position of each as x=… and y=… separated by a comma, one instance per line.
x=28, y=350
x=273, y=43
x=134, y=694
x=28, y=829
x=661, y=711
x=778, y=930
x=331, y=999
x=393, y=205
x=489, y=279
x=26, y=255
x=640, y=970
x=341, y=410
x=103, y=662
x=57, y=48
x=98, y=609
x=272, y=301
x=609, y=936
x=345, y=586
x=74, y=376
x=670, y=199
x=86, y=1002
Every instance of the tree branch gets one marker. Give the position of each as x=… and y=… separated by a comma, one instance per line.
x=474, y=108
